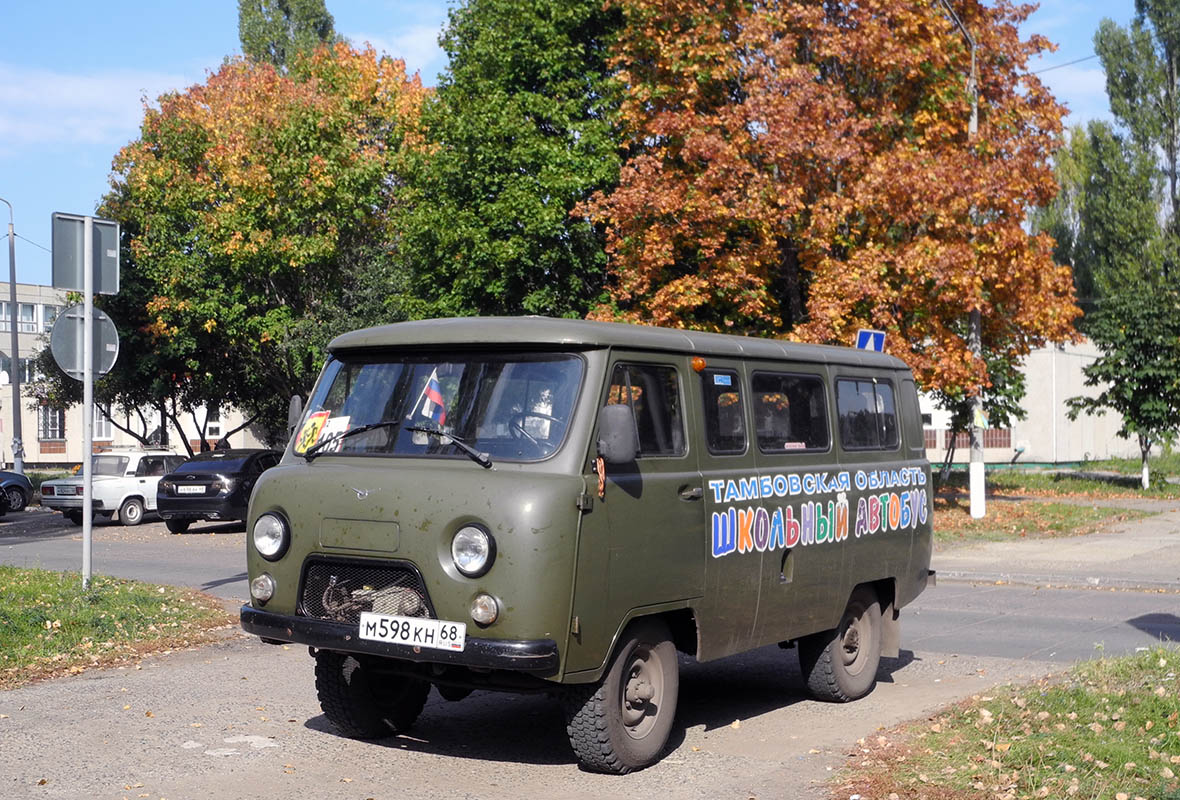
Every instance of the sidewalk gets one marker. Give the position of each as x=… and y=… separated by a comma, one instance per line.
x=1141, y=554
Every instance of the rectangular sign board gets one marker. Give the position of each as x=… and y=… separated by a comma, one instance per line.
x=68, y=258
x=867, y=339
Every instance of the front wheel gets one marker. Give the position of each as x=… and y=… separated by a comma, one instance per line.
x=622, y=723
x=362, y=705
x=841, y=664
x=131, y=512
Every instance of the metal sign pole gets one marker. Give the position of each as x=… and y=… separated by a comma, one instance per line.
x=87, y=397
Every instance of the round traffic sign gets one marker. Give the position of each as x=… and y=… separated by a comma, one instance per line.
x=66, y=342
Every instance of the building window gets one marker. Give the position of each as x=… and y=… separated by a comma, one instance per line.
x=993, y=438
x=51, y=423
x=213, y=422
x=103, y=429
x=49, y=316
x=28, y=318
x=5, y=316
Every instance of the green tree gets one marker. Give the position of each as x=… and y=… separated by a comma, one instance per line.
x=255, y=207
x=1138, y=373
x=1142, y=81
x=1105, y=220
x=520, y=131
x=274, y=31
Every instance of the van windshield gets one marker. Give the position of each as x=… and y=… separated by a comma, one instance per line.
x=514, y=407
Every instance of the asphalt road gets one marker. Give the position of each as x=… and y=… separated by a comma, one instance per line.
x=240, y=719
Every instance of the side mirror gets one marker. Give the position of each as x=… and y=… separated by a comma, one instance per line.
x=618, y=441
x=294, y=412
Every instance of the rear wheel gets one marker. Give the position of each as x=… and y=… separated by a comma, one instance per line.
x=622, y=723
x=361, y=704
x=841, y=664
x=73, y=516
x=16, y=498
x=177, y=525
x=131, y=512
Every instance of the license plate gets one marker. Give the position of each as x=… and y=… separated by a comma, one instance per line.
x=414, y=631
x=190, y=489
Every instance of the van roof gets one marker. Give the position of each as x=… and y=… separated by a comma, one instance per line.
x=547, y=332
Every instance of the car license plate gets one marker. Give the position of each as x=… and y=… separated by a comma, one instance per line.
x=414, y=631
x=190, y=489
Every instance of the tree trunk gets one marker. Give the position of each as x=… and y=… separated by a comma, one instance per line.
x=1145, y=449
x=789, y=286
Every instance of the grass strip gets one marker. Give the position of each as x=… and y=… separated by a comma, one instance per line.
x=50, y=626
x=1107, y=729
x=1087, y=482
x=1028, y=519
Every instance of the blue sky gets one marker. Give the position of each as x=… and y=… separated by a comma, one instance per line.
x=73, y=76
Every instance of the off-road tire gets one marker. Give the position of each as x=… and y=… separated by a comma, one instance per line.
x=613, y=729
x=361, y=707
x=177, y=525
x=131, y=512
x=73, y=516
x=841, y=664
x=16, y=498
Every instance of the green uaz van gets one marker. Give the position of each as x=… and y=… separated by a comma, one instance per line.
x=533, y=504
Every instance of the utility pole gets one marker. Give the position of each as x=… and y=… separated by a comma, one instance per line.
x=974, y=319
x=18, y=447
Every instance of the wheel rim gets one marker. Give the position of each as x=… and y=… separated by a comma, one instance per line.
x=643, y=692
x=15, y=498
x=856, y=643
x=132, y=512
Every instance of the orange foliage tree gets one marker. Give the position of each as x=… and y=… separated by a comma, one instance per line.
x=255, y=211
x=804, y=169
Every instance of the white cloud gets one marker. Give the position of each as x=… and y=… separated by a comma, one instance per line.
x=1082, y=89
x=417, y=45
x=40, y=108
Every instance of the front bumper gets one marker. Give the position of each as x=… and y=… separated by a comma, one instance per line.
x=538, y=657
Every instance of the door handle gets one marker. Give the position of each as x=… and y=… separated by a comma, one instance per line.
x=695, y=493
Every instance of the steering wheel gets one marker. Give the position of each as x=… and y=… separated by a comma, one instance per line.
x=516, y=428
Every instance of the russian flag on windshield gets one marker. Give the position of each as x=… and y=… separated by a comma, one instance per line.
x=432, y=400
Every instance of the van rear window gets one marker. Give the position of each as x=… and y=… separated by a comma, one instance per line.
x=790, y=412
x=868, y=414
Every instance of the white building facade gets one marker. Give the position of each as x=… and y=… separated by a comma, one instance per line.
x=1046, y=436
x=52, y=437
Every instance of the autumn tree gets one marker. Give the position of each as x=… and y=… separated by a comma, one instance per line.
x=805, y=168
x=256, y=206
x=275, y=31
x=519, y=132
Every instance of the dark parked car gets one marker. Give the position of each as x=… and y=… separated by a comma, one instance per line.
x=211, y=486
x=17, y=491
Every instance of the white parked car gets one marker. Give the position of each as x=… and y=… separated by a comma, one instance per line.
x=125, y=483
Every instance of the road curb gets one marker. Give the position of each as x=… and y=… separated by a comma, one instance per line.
x=1057, y=581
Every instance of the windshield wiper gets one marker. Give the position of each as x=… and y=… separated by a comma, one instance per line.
x=317, y=449
x=483, y=459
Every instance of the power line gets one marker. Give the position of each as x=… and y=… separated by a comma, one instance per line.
x=1066, y=64
x=30, y=241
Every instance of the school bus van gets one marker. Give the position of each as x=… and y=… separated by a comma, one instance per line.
x=543, y=505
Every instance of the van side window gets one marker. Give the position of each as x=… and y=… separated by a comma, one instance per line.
x=868, y=414
x=725, y=423
x=790, y=412
x=653, y=392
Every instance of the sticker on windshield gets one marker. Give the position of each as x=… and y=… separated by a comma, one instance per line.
x=332, y=429
x=310, y=433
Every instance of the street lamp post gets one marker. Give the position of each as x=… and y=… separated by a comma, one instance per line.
x=18, y=447
x=975, y=317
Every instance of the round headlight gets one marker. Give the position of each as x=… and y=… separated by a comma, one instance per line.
x=473, y=550
x=271, y=536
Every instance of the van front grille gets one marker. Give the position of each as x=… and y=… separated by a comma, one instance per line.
x=341, y=589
